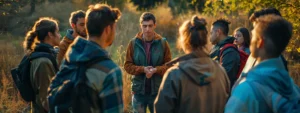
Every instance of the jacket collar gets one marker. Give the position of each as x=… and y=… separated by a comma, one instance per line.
x=140, y=36
x=228, y=39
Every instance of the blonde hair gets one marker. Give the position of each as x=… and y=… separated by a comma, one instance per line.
x=193, y=34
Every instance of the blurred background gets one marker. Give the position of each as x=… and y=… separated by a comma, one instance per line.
x=18, y=16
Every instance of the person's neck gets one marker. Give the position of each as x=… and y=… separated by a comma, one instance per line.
x=223, y=37
x=148, y=39
x=48, y=42
x=99, y=40
x=261, y=58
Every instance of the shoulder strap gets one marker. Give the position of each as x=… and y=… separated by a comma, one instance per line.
x=36, y=55
x=226, y=46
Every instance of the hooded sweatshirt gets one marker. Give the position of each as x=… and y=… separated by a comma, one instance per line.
x=194, y=84
x=266, y=88
x=41, y=72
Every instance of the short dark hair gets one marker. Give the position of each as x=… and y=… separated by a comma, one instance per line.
x=263, y=12
x=223, y=24
x=100, y=16
x=75, y=16
x=246, y=35
x=276, y=31
x=146, y=16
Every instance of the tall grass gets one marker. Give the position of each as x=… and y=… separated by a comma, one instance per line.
x=11, y=53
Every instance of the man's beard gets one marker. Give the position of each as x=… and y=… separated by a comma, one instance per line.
x=79, y=33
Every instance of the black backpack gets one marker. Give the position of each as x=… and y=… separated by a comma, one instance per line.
x=21, y=74
x=71, y=95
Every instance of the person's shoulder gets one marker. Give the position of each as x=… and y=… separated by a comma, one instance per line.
x=42, y=60
x=106, y=66
x=244, y=91
x=230, y=49
x=103, y=72
x=174, y=72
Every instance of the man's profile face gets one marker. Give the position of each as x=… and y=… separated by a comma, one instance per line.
x=79, y=27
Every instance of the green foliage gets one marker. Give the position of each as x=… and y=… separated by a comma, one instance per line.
x=114, y=3
x=9, y=7
x=146, y=4
x=184, y=6
x=290, y=10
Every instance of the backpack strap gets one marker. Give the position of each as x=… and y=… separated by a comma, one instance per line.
x=226, y=46
x=36, y=55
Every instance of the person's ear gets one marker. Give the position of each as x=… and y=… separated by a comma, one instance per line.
x=50, y=35
x=107, y=29
x=73, y=25
x=261, y=42
x=218, y=32
x=141, y=26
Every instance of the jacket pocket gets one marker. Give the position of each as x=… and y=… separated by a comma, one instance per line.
x=137, y=83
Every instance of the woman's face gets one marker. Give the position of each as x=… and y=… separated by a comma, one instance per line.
x=55, y=37
x=239, y=39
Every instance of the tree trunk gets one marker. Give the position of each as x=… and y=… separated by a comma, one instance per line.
x=32, y=6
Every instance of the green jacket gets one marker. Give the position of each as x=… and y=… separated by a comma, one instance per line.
x=136, y=59
x=41, y=72
x=230, y=59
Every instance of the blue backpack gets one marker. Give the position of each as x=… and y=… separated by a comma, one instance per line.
x=21, y=74
x=71, y=94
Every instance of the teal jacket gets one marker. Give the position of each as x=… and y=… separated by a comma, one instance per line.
x=230, y=58
x=266, y=88
x=136, y=60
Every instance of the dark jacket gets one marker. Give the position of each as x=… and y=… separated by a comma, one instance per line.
x=136, y=60
x=41, y=72
x=195, y=84
x=230, y=58
x=105, y=77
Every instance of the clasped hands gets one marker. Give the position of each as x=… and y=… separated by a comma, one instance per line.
x=149, y=71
